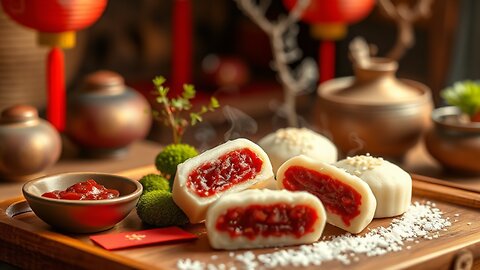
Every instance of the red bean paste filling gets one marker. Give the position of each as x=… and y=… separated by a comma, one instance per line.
x=219, y=175
x=273, y=220
x=87, y=190
x=338, y=197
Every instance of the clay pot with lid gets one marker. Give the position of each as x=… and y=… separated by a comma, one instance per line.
x=454, y=144
x=106, y=116
x=374, y=111
x=28, y=144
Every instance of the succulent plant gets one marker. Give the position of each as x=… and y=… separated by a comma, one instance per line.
x=465, y=95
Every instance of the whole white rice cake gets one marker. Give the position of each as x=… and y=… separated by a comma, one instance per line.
x=286, y=143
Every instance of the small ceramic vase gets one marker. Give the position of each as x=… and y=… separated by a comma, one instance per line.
x=28, y=144
x=374, y=112
x=454, y=144
x=106, y=116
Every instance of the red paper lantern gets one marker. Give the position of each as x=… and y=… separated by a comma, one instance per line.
x=56, y=21
x=329, y=19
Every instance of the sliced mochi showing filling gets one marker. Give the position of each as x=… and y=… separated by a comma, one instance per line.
x=391, y=185
x=264, y=218
x=230, y=167
x=349, y=201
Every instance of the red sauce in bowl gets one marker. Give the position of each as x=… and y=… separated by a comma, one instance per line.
x=87, y=190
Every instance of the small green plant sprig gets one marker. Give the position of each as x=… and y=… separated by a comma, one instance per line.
x=466, y=96
x=174, y=109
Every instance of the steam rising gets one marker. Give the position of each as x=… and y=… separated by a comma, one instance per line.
x=205, y=134
x=360, y=144
x=241, y=124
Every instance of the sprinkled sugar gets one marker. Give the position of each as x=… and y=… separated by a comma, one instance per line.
x=420, y=221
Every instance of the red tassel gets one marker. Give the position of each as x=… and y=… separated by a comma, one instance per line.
x=56, y=88
x=326, y=60
x=182, y=44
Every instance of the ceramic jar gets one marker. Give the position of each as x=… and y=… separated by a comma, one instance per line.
x=454, y=144
x=28, y=144
x=374, y=111
x=106, y=116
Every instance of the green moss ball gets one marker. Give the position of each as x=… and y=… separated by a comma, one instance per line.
x=172, y=155
x=157, y=208
x=151, y=182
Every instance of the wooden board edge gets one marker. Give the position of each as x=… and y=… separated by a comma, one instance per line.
x=439, y=258
x=28, y=237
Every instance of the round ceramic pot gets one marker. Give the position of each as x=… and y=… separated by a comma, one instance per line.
x=105, y=116
x=374, y=112
x=454, y=144
x=28, y=144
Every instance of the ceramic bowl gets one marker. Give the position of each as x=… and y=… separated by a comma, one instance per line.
x=453, y=144
x=86, y=216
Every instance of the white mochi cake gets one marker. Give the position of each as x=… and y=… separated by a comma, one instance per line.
x=391, y=185
x=289, y=142
x=230, y=167
x=264, y=218
x=348, y=200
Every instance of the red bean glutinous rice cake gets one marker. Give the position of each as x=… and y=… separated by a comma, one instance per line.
x=348, y=200
x=265, y=218
x=230, y=167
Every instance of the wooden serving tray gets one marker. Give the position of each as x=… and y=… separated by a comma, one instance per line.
x=28, y=242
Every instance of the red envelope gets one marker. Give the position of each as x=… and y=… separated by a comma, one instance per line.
x=141, y=238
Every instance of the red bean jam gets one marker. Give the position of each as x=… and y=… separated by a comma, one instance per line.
x=87, y=190
x=219, y=175
x=268, y=220
x=337, y=197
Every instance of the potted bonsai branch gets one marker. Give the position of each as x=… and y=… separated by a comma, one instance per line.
x=156, y=206
x=176, y=113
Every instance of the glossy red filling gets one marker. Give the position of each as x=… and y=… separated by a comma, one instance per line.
x=337, y=197
x=268, y=220
x=219, y=175
x=87, y=190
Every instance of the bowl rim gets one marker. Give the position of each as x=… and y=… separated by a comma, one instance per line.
x=135, y=194
x=439, y=114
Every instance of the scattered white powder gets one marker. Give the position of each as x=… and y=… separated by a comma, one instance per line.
x=420, y=221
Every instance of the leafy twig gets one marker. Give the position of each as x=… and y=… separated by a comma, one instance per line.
x=172, y=114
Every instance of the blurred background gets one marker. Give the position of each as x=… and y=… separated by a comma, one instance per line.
x=134, y=38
